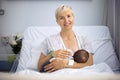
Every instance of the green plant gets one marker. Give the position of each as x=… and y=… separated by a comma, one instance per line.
x=16, y=44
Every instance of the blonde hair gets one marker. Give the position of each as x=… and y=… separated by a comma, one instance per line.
x=61, y=9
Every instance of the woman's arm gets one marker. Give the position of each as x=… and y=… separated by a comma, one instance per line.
x=80, y=65
x=63, y=63
x=42, y=60
x=58, y=53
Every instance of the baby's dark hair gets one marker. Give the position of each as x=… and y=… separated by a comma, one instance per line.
x=81, y=56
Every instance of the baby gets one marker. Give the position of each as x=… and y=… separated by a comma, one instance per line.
x=80, y=56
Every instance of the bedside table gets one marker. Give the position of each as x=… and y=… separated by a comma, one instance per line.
x=5, y=66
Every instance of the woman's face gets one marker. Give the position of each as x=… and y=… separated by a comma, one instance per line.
x=65, y=19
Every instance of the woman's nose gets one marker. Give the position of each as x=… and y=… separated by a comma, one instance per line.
x=66, y=20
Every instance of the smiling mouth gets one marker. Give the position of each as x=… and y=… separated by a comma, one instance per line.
x=67, y=24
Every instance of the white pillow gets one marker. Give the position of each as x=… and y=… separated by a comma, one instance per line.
x=35, y=54
x=30, y=54
x=24, y=55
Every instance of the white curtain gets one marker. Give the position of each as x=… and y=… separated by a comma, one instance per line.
x=112, y=20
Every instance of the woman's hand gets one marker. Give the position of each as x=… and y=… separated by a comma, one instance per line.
x=56, y=64
x=61, y=54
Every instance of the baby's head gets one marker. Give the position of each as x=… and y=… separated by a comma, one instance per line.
x=81, y=56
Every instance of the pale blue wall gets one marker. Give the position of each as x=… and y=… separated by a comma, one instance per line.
x=20, y=14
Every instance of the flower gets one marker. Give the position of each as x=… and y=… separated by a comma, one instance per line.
x=4, y=39
x=16, y=43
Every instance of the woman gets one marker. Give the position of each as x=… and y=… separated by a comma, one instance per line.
x=57, y=45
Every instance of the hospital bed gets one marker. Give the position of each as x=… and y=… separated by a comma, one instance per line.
x=104, y=58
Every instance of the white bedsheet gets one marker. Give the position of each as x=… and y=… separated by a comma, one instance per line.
x=89, y=70
x=101, y=68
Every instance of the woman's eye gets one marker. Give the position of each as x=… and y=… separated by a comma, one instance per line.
x=68, y=16
x=61, y=17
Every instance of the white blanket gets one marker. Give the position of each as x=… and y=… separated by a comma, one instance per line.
x=89, y=70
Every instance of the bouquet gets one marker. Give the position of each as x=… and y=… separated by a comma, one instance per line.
x=16, y=43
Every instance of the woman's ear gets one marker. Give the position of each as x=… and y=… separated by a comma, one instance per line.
x=57, y=21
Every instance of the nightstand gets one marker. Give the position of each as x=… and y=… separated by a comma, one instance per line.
x=5, y=66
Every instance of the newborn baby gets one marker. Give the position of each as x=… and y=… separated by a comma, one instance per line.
x=80, y=56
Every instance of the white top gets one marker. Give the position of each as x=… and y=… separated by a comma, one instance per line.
x=55, y=42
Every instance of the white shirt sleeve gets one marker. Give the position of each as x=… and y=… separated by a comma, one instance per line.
x=50, y=43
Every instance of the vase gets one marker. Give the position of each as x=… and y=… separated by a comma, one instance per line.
x=11, y=58
x=15, y=64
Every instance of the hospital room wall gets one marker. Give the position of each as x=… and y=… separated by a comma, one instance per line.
x=20, y=14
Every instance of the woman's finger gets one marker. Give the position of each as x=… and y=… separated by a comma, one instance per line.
x=51, y=70
x=51, y=66
x=63, y=55
x=48, y=67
